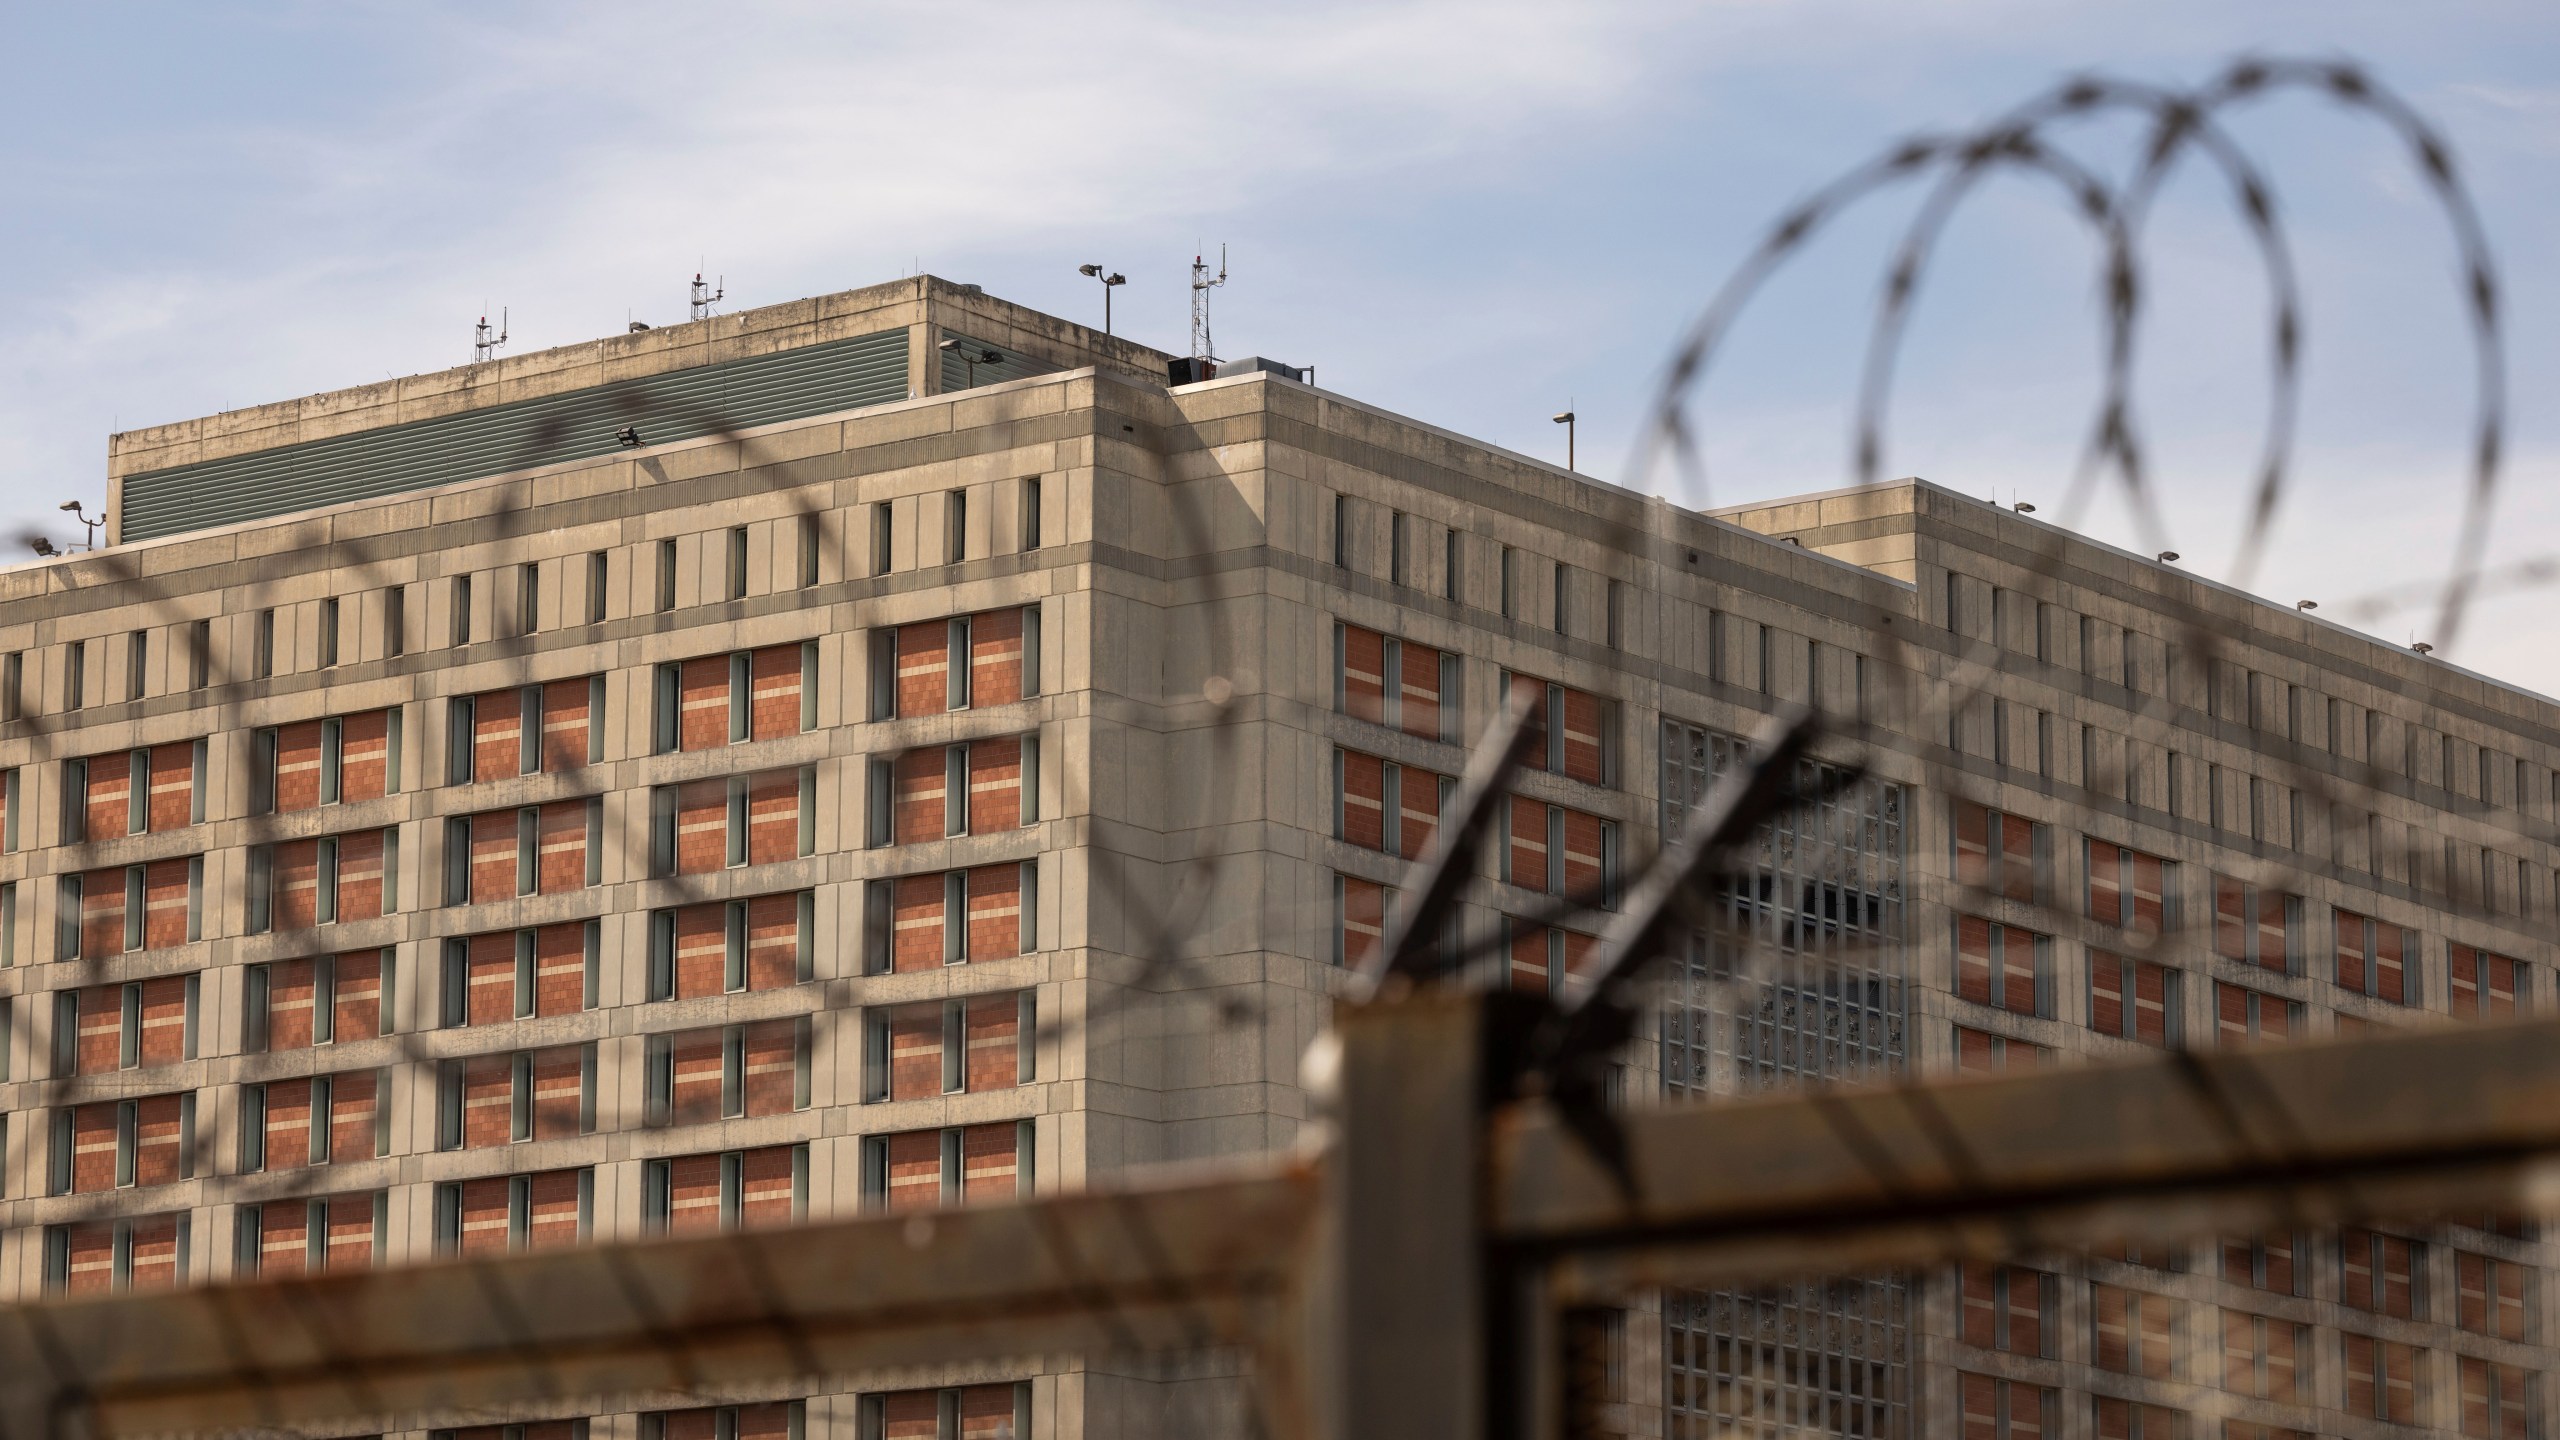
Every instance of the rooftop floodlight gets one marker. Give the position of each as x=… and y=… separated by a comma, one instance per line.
x=73, y=506
x=1567, y=421
x=1108, y=280
x=628, y=435
x=2306, y=604
x=2168, y=557
x=2421, y=646
x=42, y=546
x=2025, y=507
x=973, y=357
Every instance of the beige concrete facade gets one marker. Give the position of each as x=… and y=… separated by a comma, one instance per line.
x=1197, y=543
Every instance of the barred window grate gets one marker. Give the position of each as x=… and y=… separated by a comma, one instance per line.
x=1824, y=902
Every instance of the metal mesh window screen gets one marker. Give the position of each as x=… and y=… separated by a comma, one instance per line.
x=1823, y=902
x=1822, y=1357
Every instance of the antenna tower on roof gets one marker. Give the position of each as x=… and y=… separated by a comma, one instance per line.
x=1201, y=284
x=484, y=345
x=706, y=296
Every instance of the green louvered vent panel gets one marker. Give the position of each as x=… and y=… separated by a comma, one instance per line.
x=576, y=425
x=1010, y=364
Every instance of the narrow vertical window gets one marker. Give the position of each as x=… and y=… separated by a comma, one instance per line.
x=737, y=562
x=1615, y=619
x=528, y=598
x=265, y=644
x=1564, y=589
x=461, y=611
x=1031, y=513
x=13, y=682
x=955, y=527
x=1395, y=548
x=808, y=551
x=1449, y=566
x=1508, y=565
x=329, y=633
x=395, y=627
x=880, y=536
x=666, y=575
x=1341, y=532
x=596, y=577
x=137, y=661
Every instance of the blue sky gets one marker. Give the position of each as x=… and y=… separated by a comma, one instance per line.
x=1471, y=213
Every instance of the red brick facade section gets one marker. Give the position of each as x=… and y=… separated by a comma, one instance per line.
x=693, y=1199
x=919, y=790
x=488, y=1101
x=915, y=1051
x=2249, y=924
x=2127, y=889
x=1364, y=918
x=291, y=990
x=2387, y=966
x=773, y=816
x=2132, y=1331
x=560, y=847
x=2116, y=983
x=493, y=856
x=1979, y=1052
x=995, y=912
x=110, y=812
x=702, y=826
x=360, y=862
x=2489, y=1295
x=2241, y=1015
x=773, y=942
x=497, y=734
x=992, y=1028
x=702, y=698
x=1996, y=969
x=2493, y=1399
x=164, y=904
x=773, y=1067
x=916, y=920
x=101, y=1020
x=353, y=1098
x=1364, y=663
x=989, y=1168
x=101, y=914
x=2262, y=1357
x=164, y=1020
x=702, y=950
x=298, y=767
x=995, y=658
x=490, y=983
x=1984, y=1300
x=924, y=668
x=2381, y=1377
x=566, y=725
x=559, y=1092
x=774, y=704
x=915, y=1170
x=1983, y=1398
x=1528, y=844
x=696, y=1093
x=995, y=784
x=1996, y=852
x=1421, y=699
x=1364, y=784
x=364, y=759
x=2484, y=986
x=350, y=1240
x=559, y=969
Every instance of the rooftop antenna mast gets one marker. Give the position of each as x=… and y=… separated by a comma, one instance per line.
x=1201, y=284
x=484, y=345
x=706, y=296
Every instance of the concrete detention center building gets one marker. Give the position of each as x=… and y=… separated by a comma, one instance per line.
x=732, y=773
